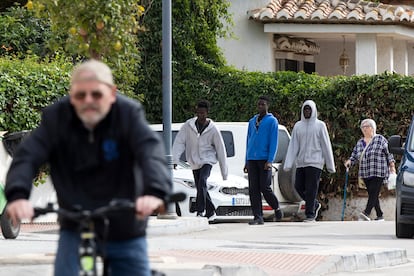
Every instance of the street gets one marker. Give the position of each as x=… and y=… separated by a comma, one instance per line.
x=287, y=248
x=312, y=239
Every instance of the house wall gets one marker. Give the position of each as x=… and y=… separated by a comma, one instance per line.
x=327, y=62
x=251, y=48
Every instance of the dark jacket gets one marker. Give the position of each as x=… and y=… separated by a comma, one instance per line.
x=121, y=158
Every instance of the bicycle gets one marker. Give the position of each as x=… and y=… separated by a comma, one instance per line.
x=8, y=145
x=86, y=218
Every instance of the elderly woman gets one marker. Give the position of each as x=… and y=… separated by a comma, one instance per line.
x=375, y=164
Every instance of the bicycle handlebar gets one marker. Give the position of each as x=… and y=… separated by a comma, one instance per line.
x=114, y=205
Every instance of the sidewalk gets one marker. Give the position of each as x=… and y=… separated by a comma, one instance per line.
x=218, y=258
x=179, y=255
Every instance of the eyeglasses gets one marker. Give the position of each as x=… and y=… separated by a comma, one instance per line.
x=365, y=126
x=81, y=95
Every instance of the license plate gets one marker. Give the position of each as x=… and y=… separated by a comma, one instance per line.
x=240, y=201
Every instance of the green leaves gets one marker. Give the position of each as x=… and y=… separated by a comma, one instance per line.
x=195, y=28
x=22, y=34
x=26, y=87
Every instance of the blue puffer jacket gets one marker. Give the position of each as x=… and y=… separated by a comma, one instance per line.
x=262, y=141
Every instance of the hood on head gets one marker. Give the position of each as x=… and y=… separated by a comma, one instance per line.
x=312, y=105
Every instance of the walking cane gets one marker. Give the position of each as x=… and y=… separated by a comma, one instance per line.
x=346, y=184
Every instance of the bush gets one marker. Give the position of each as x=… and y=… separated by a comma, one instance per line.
x=30, y=84
x=26, y=86
x=342, y=103
x=22, y=34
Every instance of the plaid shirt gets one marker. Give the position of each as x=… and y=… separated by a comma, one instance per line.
x=376, y=159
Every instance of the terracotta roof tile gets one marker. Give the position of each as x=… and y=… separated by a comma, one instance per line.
x=333, y=11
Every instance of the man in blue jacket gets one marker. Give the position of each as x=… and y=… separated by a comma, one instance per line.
x=99, y=147
x=261, y=147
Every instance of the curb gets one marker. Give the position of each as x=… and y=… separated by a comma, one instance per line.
x=28, y=259
x=180, y=225
x=362, y=259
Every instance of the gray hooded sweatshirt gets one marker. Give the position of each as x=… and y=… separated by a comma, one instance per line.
x=310, y=145
x=200, y=149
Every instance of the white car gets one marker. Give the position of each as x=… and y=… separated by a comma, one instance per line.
x=234, y=136
x=230, y=197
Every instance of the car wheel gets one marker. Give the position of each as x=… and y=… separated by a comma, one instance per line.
x=286, y=181
x=402, y=230
x=9, y=230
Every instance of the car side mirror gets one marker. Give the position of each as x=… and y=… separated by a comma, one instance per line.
x=395, y=145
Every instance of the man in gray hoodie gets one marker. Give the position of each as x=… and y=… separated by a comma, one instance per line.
x=309, y=149
x=204, y=146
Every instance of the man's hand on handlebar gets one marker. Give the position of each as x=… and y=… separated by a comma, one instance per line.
x=147, y=205
x=19, y=209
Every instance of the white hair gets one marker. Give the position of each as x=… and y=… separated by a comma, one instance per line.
x=371, y=123
x=100, y=70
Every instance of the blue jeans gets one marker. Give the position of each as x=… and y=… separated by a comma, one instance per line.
x=128, y=257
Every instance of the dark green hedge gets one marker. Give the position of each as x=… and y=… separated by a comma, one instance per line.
x=342, y=103
x=26, y=86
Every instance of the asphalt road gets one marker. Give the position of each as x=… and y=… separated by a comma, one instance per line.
x=287, y=248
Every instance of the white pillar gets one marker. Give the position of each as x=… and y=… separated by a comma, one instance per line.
x=400, y=57
x=386, y=52
x=410, y=53
x=366, y=54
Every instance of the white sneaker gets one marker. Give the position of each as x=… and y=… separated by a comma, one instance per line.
x=363, y=216
x=309, y=220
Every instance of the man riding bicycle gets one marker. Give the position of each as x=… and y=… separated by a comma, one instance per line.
x=98, y=146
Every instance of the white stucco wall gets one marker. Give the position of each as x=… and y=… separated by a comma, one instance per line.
x=376, y=48
x=386, y=53
x=366, y=54
x=251, y=49
x=327, y=64
x=400, y=57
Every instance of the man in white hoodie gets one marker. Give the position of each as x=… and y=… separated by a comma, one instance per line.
x=203, y=145
x=310, y=149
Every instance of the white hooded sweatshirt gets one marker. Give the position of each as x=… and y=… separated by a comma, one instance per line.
x=310, y=145
x=200, y=149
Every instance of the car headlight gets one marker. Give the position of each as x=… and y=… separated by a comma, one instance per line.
x=211, y=185
x=189, y=183
x=408, y=178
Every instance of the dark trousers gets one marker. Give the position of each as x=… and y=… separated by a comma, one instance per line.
x=203, y=200
x=259, y=183
x=307, y=185
x=373, y=188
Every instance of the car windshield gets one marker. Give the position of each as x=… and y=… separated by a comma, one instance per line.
x=183, y=164
x=282, y=146
x=228, y=139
